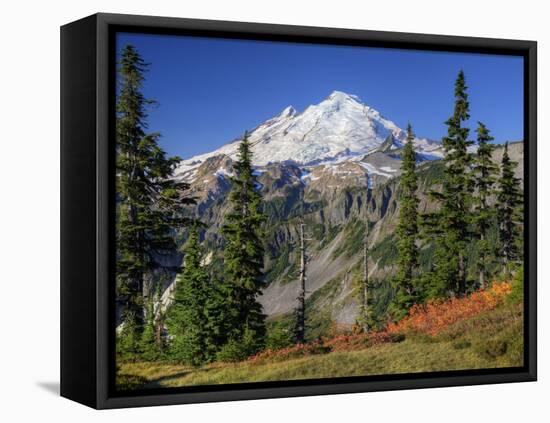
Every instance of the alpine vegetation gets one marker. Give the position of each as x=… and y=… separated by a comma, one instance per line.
x=327, y=242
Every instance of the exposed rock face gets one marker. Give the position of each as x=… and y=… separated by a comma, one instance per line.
x=332, y=198
x=329, y=164
x=319, y=164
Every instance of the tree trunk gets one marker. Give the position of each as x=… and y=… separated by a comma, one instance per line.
x=137, y=285
x=365, y=296
x=507, y=259
x=158, y=333
x=482, y=278
x=300, y=324
x=461, y=275
x=482, y=263
x=506, y=270
x=365, y=282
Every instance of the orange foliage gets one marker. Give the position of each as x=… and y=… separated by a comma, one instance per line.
x=429, y=319
x=433, y=317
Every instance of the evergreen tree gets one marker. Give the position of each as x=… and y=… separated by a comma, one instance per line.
x=485, y=177
x=187, y=319
x=509, y=210
x=152, y=343
x=407, y=232
x=450, y=225
x=128, y=340
x=149, y=201
x=243, y=255
x=149, y=349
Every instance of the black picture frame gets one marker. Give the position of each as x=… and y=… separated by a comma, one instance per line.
x=87, y=174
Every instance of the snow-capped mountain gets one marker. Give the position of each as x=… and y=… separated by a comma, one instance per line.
x=340, y=128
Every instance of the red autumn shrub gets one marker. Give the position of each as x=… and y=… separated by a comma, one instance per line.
x=428, y=319
x=431, y=318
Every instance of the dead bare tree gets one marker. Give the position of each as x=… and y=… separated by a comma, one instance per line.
x=301, y=309
x=364, y=290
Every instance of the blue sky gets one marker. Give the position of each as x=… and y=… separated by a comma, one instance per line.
x=210, y=90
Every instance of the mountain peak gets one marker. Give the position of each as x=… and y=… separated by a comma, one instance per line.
x=337, y=129
x=340, y=96
x=288, y=111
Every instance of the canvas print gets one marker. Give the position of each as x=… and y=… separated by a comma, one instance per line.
x=290, y=211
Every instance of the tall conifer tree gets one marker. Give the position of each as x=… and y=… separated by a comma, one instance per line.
x=187, y=318
x=451, y=223
x=149, y=202
x=407, y=231
x=485, y=177
x=509, y=209
x=244, y=252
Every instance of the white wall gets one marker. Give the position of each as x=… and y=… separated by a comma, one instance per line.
x=29, y=238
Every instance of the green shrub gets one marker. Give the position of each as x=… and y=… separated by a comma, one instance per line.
x=516, y=296
x=128, y=339
x=232, y=351
x=278, y=338
x=239, y=349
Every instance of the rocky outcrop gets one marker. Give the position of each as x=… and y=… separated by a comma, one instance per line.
x=332, y=200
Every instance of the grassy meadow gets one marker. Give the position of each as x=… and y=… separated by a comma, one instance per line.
x=483, y=330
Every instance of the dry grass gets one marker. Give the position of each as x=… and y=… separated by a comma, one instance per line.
x=491, y=339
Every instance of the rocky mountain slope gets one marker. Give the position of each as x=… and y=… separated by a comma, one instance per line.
x=337, y=165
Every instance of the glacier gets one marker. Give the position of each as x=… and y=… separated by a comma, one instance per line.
x=338, y=129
